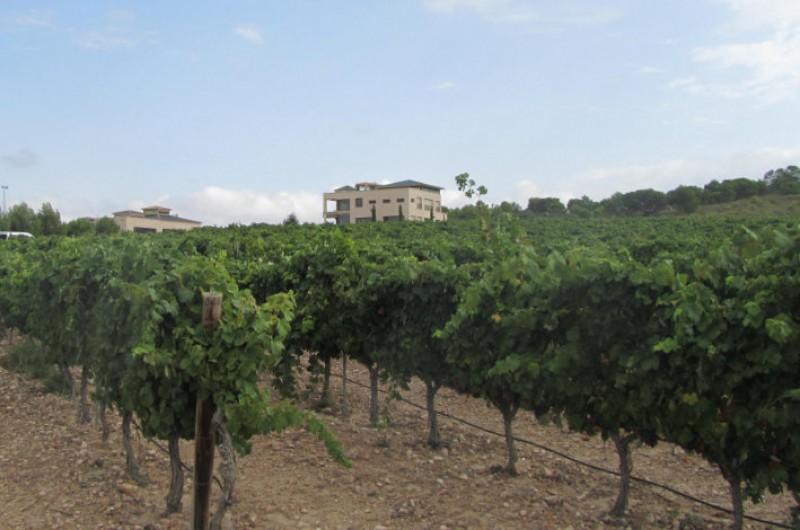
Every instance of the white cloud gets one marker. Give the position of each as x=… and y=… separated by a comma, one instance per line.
x=35, y=18
x=107, y=39
x=767, y=68
x=664, y=175
x=524, y=190
x=600, y=183
x=123, y=15
x=222, y=206
x=119, y=32
x=520, y=11
x=454, y=198
x=589, y=15
x=249, y=33
x=445, y=85
x=496, y=10
x=650, y=70
x=751, y=14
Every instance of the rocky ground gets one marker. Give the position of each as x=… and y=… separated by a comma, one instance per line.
x=55, y=473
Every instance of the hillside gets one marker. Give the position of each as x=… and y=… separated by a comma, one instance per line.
x=764, y=205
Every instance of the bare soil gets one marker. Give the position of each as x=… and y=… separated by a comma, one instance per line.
x=56, y=473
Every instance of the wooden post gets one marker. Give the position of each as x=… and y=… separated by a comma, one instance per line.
x=203, y=431
x=212, y=310
x=203, y=463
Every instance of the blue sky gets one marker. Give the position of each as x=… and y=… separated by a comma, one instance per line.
x=247, y=110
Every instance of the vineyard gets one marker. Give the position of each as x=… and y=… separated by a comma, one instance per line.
x=677, y=334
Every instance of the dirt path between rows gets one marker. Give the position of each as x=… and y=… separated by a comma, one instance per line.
x=55, y=473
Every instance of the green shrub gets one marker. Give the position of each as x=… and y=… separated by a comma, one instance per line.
x=29, y=357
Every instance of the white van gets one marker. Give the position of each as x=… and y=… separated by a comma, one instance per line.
x=9, y=235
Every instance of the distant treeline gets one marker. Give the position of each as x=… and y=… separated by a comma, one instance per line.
x=47, y=222
x=645, y=202
x=683, y=199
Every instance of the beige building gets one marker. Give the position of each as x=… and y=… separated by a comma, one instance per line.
x=405, y=200
x=152, y=219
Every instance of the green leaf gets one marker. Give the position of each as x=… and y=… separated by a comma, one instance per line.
x=667, y=345
x=780, y=329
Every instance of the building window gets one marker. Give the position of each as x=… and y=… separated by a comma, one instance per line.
x=401, y=200
x=343, y=205
x=372, y=201
x=387, y=201
x=359, y=203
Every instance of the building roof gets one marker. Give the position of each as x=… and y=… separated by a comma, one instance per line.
x=159, y=216
x=411, y=184
x=401, y=184
x=157, y=208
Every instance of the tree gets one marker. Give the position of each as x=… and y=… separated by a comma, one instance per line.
x=643, y=202
x=784, y=181
x=507, y=207
x=495, y=345
x=291, y=219
x=62, y=291
x=48, y=220
x=79, y=227
x=106, y=225
x=180, y=361
x=546, y=206
x=117, y=322
x=583, y=207
x=21, y=218
x=614, y=205
x=733, y=362
x=404, y=286
x=364, y=314
x=602, y=371
x=470, y=187
x=312, y=272
x=686, y=199
x=469, y=211
x=744, y=188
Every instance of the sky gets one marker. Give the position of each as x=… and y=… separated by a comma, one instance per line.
x=248, y=110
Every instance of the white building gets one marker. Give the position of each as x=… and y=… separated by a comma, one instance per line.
x=152, y=219
x=366, y=202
